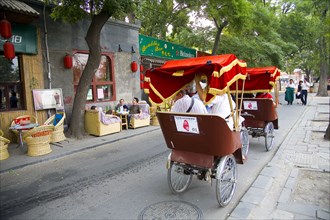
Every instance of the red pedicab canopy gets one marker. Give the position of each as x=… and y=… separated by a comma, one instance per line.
x=259, y=79
x=221, y=71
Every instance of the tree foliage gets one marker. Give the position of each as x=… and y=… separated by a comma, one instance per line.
x=289, y=34
x=286, y=33
x=98, y=12
x=158, y=16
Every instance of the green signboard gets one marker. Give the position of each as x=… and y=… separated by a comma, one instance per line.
x=24, y=39
x=162, y=49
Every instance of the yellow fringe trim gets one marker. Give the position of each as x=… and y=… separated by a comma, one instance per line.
x=178, y=73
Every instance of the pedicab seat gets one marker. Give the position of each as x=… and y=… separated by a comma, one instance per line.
x=257, y=115
x=214, y=139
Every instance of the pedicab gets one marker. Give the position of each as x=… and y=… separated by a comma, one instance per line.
x=260, y=113
x=201, y=144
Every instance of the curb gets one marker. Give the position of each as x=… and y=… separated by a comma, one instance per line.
x=67, y=149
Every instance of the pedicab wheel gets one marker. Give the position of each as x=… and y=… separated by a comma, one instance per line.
x=226, y=179
x=178, y=178
x=245, y=141
x=269, y=136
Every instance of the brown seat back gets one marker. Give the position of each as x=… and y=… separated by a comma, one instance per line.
x=265, y=111
x=213, y=136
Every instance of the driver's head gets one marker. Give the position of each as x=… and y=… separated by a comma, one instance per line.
x=180, y=94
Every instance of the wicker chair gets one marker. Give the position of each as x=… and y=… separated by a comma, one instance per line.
x=58, y=134
x=38, y=139
x=3, y=147
x=19, y=119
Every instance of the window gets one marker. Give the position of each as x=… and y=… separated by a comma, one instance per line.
x=102, y=86
x=11, y=86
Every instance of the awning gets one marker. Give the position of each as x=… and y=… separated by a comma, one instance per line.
x=259, y=79
x=17, y=11
x=221, y=70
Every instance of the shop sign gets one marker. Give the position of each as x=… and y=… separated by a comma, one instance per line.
x=24, y=39
x=158, y=48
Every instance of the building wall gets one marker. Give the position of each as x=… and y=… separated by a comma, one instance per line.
x=33, y=79
x=65, y=38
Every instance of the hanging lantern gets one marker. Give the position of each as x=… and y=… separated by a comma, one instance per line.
x=9, y=50
x=141, y=85
x=5, y=29
x=134, y=66
x=68, y=61
x=141, y=68
x=141, y=76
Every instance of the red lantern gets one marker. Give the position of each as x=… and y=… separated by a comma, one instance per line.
x=5, y=29
x=68, y=61
x=141, y=68
x=141, y=85
x=9, y=50
x=141, y=76
x=134, y=66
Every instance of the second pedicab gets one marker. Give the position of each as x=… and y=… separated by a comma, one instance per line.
x=201, y=144
x=260, y=114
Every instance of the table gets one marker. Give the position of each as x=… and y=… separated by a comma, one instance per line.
x=20, y=129
x=123, y=118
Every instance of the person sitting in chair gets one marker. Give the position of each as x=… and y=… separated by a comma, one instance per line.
x=220, y=104
x=106, y=118
x=184, y=103
x=133, y=109
x=121, y=107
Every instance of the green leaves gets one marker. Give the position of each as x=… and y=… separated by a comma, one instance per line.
x=72, y=11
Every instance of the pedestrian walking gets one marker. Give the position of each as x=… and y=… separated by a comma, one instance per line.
x=304, y=91
x=289, y=92
x=298, y=94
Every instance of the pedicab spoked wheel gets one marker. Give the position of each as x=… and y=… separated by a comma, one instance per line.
x=269, y=135
x=226, y=179
x=245, y=141
x=178, y=178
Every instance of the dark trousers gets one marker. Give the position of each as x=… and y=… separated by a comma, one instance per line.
x=304, y=97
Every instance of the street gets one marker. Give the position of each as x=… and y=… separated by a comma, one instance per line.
x=122, y=179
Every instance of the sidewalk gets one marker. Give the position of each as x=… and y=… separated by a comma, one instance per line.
x=19, y=159
x=295, y=184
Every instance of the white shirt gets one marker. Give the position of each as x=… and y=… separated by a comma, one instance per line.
x=221, y=106
x=305, y=86
x=182, y=105
x=291, y=85
x=208, y=107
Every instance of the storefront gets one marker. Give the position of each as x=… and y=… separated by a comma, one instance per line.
x=154, y=53
x=41, y=45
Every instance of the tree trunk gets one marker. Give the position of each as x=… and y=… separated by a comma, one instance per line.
x=323, y=82
x=76, y=126
x=217, y=37
x=324, y=57
x=327, y=133
x=324, y=69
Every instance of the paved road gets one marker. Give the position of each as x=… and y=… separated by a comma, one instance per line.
x=119, y=180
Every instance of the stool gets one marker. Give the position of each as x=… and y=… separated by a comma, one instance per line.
x=124, y=120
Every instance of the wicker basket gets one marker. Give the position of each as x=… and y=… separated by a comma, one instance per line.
x=154, y=119
x=38, y=140
x=58, y=133
x=3, y=147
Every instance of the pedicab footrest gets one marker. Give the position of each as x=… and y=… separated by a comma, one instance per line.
x=201, y=160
